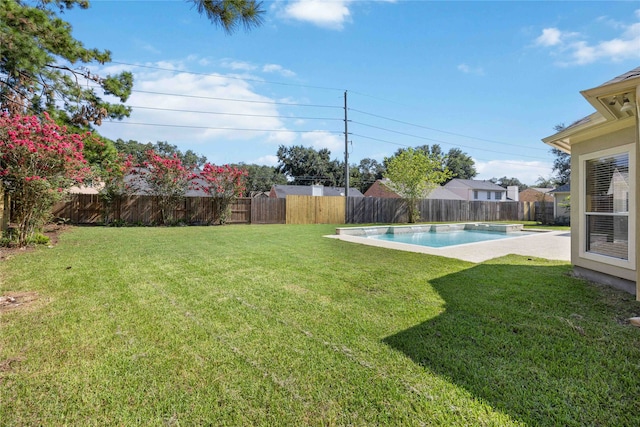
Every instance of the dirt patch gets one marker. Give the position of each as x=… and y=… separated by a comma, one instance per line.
x=9, y=364
x=52, y=231
x=16, y=300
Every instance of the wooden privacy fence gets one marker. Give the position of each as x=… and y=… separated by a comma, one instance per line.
x=145, y=210
x=364, y=210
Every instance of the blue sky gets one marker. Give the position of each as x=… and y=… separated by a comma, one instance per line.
x=490, y=78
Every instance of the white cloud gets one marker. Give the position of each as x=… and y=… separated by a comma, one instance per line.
x=575, y=49
x=265, y=160
x=470, y=70
x=549, y=37
x=275, y=68
x=321, y=139
x=217, y=114
x=326, y=14
x=237, y=65
x=209, y=111
x=527, y=172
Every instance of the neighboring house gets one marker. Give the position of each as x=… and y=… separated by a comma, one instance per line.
x=475, y=190
x=536, y=195
x=282, y=191
x=378, y=189
x=259, y=194
x=139, y=187
x=89, y=188
x=561, y=203
x=605, y=153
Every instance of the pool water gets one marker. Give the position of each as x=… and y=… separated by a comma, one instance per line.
x=448, y=238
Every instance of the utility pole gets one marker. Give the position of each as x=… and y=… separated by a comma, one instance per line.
x=346, y=159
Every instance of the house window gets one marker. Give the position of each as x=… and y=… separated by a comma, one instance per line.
x=609, y=181
x=475, y=194
x=488, y=195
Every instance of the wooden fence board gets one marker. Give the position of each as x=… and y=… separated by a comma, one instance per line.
x=240, y=211
x=268, y=211
x=315, y=210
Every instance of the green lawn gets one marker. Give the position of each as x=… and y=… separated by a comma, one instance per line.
x=277, y=325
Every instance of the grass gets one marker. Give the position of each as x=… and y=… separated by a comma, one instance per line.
x=277, y=325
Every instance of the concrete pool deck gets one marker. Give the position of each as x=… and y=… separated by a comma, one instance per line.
x=554, y=245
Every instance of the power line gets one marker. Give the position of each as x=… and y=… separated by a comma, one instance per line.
x=248, y=79
x=440, y=141
x=236, y=100
x=252, y=101
x=442, y=131
x=408, y=146
x=219, y=128
x=235, y=114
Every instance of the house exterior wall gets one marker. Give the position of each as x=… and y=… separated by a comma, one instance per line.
x=636, y=208
x=487, y=195
x=467, y=193
x=560, y=202
x=624, y=137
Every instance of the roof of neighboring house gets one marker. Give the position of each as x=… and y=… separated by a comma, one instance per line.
x=140, y=186
x=378, y=189
x=565, y=188
x=441, y=193
x=282, y=191
x=535, y=195
x=258, y=194
x=541, y=190
x=474, y=184
x=86, y=189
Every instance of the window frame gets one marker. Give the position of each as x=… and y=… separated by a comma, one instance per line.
x=630, y=262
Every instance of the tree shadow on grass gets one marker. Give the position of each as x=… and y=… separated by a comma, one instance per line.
x=534, y=343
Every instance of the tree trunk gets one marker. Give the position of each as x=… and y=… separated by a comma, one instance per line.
x=6, y=214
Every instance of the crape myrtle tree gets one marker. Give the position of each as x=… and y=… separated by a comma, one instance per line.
x=166, y=178
x=43, y=68
x=39, y=161
x=224, y=184
x=413, y=174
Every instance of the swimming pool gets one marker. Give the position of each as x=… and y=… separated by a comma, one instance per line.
x=439, y=235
